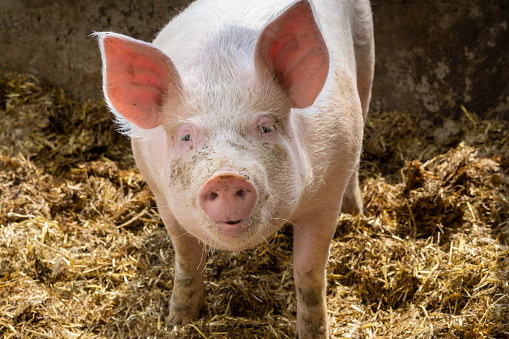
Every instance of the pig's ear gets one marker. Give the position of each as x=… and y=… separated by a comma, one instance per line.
x=137, y=78
x=294, y=50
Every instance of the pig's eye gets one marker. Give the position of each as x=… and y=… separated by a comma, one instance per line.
x=267, y=129
x=186, y=137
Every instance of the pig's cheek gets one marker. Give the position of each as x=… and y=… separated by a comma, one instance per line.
x=183, y=185
x=280, y=177
x=179, y=176
x=275, y=160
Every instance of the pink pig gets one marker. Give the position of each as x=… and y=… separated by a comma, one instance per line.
x=245, y=116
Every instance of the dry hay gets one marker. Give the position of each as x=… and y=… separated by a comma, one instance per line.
x=83, y=253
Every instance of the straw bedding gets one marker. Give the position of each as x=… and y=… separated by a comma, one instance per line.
x=83, y=253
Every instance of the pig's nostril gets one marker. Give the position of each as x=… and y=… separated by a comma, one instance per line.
x=241, y=193
x=213, y=195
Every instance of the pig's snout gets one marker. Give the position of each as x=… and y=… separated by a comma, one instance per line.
x=227, y=198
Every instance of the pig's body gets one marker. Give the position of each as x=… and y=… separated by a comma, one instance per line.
x=238, y=144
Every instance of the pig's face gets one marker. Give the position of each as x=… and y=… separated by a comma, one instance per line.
x=233, y=176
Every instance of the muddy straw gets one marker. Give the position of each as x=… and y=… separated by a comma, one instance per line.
x=84, y=254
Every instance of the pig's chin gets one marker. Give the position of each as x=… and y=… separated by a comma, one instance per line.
x=235, y=235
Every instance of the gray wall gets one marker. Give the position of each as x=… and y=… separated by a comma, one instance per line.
x=432, y=55
x=435, y=55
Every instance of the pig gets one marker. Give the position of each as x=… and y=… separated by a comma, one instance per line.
x=245, y=116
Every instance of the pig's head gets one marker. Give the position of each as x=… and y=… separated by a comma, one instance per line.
x=233, y=169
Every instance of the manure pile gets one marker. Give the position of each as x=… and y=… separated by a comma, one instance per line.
x=83, y=253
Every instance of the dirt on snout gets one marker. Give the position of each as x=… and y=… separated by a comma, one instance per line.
x=83, y=253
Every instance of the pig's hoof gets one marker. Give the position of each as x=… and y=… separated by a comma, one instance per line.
x=183, y=314
x=179, y=319
x=174, y=320
x=297, y=336
x=313, y=332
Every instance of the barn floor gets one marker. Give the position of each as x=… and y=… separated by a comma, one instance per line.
x=83, y=253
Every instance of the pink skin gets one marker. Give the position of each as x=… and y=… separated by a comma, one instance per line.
x=314, y=150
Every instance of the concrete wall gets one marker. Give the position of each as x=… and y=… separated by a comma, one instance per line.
x=432, y=55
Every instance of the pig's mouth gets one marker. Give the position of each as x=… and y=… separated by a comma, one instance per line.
x=232, y=228
x=234, y=222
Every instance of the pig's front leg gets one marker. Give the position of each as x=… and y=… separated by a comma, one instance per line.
x=312, y=239
x=190, y=259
